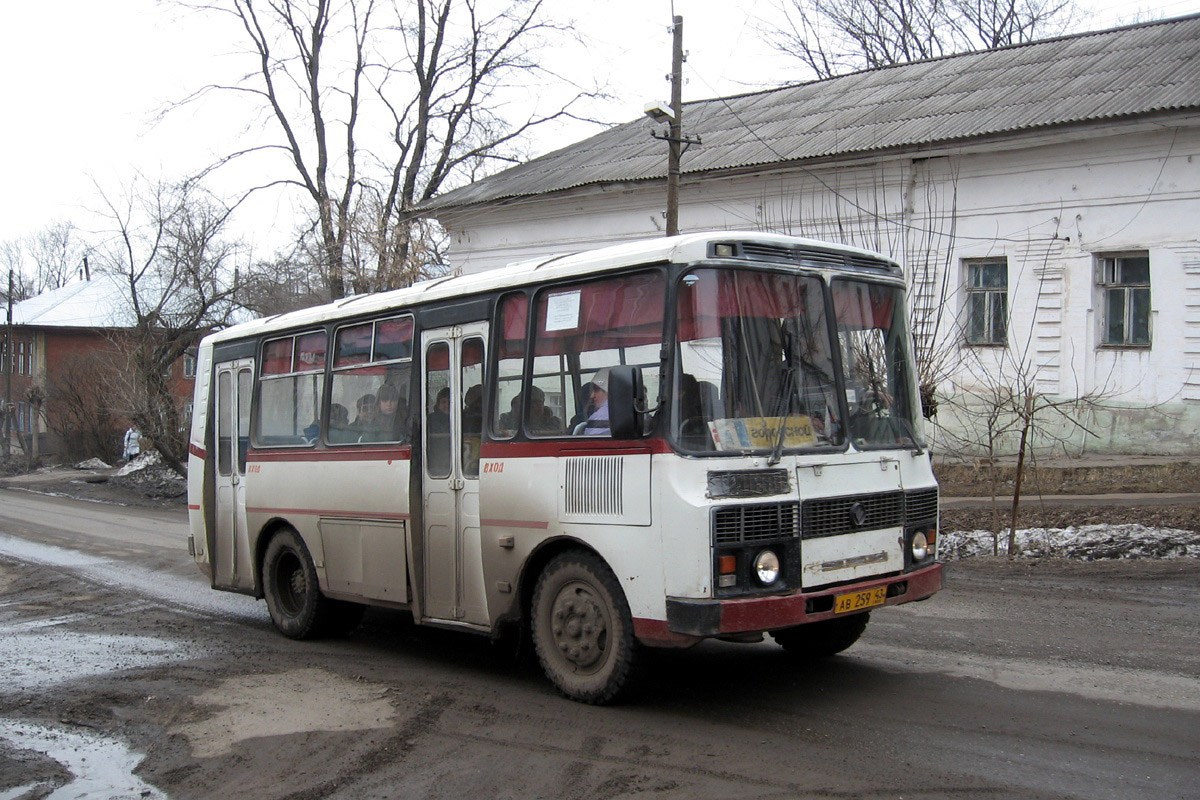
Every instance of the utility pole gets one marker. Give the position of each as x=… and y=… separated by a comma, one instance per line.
x=674, y=143
x=677, y=143
x=8, y=371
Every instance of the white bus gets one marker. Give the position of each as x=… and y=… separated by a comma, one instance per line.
x=710, y=435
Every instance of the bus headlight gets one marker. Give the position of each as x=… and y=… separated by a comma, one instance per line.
x=920, y=546
x=766, y=567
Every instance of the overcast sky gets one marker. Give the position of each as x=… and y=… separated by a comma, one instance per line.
x=84, y=81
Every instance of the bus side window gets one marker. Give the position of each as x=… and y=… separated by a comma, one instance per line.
x=510, y=365
x=472, y=380
x=437, y=424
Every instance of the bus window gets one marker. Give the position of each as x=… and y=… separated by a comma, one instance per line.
x=471, y=380
x=372, y=366
x=292, y=376
x=872, y=337
x=755, y=363
x=225, y=430
x=437, y=419
x=581, y=331
x=510, y=365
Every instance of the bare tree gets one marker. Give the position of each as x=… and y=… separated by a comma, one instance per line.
x=13, y=262
x=58, y=253
x=323, y=77
x=45, y=260
x=835, y=37
x=169, y=251
x=83, y=404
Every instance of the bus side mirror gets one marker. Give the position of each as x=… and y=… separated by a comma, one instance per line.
x=626, y=394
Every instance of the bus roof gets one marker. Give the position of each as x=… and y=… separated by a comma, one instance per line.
x=682, y=249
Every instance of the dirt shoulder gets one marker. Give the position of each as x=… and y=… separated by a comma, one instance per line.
x=154, y=487
x=1159, y=493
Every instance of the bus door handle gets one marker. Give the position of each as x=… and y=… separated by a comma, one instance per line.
x=458, y=484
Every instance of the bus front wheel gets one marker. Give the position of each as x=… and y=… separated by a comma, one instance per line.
x=294, y=598
x=823, y=639
x=582, y=629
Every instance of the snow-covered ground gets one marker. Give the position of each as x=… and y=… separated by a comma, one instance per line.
x=1086, y=542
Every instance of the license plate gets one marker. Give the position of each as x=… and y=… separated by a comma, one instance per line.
x=858, y=601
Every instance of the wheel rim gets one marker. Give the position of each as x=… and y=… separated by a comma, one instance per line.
x=580, y=624
x=291, y=582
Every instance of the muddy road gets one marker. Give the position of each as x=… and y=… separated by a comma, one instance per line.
x=123, y=675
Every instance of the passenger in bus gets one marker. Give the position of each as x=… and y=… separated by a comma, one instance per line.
x=439, y=417
x=541, y=419
x=368, y=414
x=585, y=406
x=597, y=423
x=392, y=420
x=339, y=425
x=437, y=432
x=472, y=411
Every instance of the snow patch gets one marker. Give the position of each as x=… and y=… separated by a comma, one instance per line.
x=1084, y=542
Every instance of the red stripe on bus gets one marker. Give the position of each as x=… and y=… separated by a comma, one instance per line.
x=516, y=523
x=373, y=454
x=326, y=512
x=193, y=507
x=581, y=447
x=196, y=450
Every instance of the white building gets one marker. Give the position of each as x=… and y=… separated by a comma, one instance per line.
x=1045, y=199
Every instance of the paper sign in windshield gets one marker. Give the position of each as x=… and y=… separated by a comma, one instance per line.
x=745, y=433
x=562, y=311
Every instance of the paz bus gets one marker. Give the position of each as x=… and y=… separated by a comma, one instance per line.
x=648, y=445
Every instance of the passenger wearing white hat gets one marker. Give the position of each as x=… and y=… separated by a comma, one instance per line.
x=597, y=423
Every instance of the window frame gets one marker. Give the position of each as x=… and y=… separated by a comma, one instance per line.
x=990, y=295
x=261, y=377
x=570, y=381
x=1109, y=280
x=333, y=370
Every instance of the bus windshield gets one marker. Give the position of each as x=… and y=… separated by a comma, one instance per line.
x=873, y=342
x=755, y=363
x=757, y=370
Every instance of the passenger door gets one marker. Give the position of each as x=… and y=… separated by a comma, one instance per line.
x=454, y=362
x=232, y=566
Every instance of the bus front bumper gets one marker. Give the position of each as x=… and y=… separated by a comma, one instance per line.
x=687, y=618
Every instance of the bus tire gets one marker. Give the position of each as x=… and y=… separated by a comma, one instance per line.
x=822, y=639
x=582, y=629
x=294, y=598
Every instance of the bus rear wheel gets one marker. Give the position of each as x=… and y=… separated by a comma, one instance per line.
x=582, y=629
x=823, y=639
x=294, y=598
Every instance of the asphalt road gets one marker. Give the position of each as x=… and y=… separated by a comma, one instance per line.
x=1045, y=680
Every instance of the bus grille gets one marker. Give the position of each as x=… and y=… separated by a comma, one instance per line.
x=594, y=485
x=755, y=523
x=836, y=515
x=921, y=505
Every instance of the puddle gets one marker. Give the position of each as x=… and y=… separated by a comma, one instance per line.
x=102, y=768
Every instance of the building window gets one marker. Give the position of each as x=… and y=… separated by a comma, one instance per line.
x=987, y=301
x=189, y=365
x=22, y=358
x=1124, y=282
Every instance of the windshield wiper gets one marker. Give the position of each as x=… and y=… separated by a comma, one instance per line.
x=909, y=430
x=785, y=402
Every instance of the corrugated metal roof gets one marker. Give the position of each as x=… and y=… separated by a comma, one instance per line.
x=1131, y=71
